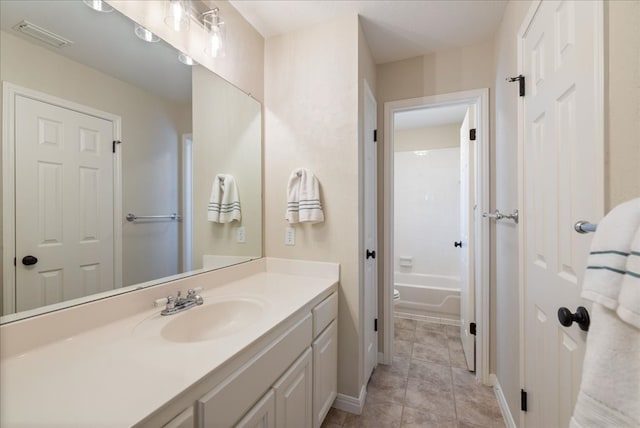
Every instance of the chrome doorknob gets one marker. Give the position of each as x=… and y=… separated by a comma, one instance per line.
x=581, y=317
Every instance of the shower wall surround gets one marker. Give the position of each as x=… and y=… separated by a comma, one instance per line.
x=427, y=211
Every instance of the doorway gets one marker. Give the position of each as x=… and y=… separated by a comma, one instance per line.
x=465, y=196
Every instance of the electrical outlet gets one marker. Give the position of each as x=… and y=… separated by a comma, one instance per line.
x=290, y=236
x=241, y=235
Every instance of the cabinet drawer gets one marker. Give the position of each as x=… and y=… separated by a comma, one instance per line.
x=325, y=312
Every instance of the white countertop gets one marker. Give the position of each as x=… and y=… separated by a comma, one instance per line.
x=117, y=374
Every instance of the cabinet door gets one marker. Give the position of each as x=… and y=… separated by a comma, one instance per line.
x=262, y=415
x=183, y=420
x=294, y=394
x=325, y=372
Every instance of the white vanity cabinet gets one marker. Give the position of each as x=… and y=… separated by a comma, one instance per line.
x=286, y=380
x=325, y=357
x=185, y=419
x=262, y=415
x=294, y=394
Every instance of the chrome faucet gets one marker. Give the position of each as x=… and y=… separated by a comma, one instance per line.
x=179, y=303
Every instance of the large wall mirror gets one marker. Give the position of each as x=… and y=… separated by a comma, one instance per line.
x=106, y=126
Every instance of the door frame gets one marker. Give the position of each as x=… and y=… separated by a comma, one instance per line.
x=187, y=202
x=479, y=97
x=9, y=93
x=368, y=94
x=598, y=34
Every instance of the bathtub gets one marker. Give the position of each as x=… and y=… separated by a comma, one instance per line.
x=429, y=296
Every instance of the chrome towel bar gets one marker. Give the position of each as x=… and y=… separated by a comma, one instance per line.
x=133, y=217
x=584, y=226
x=499, y=216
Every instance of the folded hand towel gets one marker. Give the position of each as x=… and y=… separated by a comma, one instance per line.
x=610, y=389
x=303, y=198
x=224, y=204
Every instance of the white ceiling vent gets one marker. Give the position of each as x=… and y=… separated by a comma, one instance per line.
x=41, y=34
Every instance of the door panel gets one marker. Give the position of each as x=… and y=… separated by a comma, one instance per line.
x=64, y=215
x=563, y=182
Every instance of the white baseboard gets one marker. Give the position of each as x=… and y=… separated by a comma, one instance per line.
x=502, y=401
x=351, y=404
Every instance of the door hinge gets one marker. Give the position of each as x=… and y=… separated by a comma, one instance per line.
x=375, y=324
x=523, y=400
x=375, y=135
x=14, y=261
x=113, y=147
x=472, y=328
x=472, y=134
x=520, y=80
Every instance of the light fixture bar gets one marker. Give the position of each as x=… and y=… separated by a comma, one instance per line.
x=98, y=5
x=46, y=36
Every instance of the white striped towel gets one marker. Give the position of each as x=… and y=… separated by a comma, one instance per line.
x=613, y=268
x=224, y=204
x=303, y=198
x=609, y=393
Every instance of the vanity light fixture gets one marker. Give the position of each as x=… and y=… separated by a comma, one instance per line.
x=98, y=5
x=145, y=34
x=185, y=59
x=178, y=15
x=217, y=33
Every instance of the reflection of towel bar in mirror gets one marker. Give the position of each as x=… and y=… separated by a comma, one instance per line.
x=499, y=216
x=133, y=217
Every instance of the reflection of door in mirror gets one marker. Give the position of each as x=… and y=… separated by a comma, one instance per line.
x=64, y=218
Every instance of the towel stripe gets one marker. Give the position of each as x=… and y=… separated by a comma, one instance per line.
x=621, y=272
x=620, y=253
x=635, y=253
x=633, y=274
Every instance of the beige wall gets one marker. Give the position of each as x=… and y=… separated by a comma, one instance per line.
x=432, y=137
x=151, y=129
x=622, y=129
x=311, y=117
x=227, y=138
x=505, y=304
x=455, y=70
x=244, y=60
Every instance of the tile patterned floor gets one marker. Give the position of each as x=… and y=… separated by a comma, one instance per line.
x=428, y=385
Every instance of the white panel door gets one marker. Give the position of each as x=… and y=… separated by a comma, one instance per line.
x=371, y=236
x=325, y=372
x=294, y=394
x=563, y=182
x=262, y=414
x=467, y=200
x=64, y=203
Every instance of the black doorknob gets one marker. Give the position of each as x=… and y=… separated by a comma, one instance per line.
x=29, y=260
x=371, y=254
x=581, y=317
x=457, y=244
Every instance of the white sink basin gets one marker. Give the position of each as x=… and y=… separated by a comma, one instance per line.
x=214, y=319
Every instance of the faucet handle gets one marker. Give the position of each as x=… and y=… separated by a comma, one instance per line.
x=171, y=303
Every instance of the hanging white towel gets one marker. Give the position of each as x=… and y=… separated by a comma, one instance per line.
x=609, y=393
x=224, y=204
x=303, y=198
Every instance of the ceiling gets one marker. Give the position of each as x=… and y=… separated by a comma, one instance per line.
x=395, y=30
x=428, y=117
x=103, y=41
